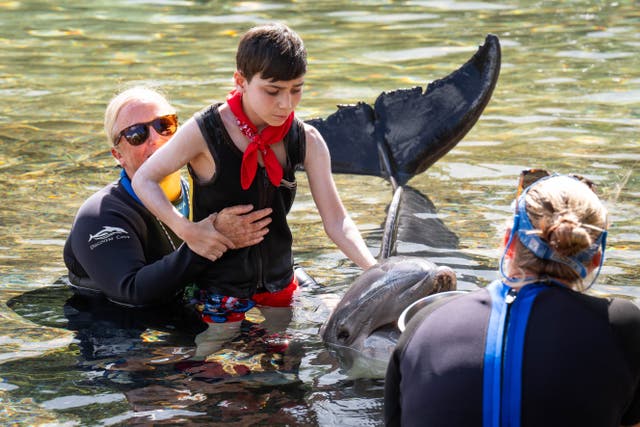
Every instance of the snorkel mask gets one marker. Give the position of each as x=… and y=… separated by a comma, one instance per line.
x=528, y=236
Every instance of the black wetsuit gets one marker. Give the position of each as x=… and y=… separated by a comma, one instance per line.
x=117, y=248
x=267, y=266
x=580, y=363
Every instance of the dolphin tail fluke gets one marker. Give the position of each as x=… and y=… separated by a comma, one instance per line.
x=420, y=128
x=407, y=130
x=349, y=134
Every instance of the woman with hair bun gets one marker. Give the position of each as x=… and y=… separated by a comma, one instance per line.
x=530, y=349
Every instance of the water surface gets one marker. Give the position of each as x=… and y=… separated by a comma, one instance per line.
x=568, y=99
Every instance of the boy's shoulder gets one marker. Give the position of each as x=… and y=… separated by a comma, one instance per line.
x=312, y=134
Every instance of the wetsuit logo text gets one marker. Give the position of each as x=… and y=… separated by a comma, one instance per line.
x=107, y=234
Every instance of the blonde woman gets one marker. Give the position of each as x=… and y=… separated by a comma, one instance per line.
x=529, y=349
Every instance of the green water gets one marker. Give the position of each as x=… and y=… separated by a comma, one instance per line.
x=568, y=99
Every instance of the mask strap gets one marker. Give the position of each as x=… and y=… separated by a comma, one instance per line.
x=522, y=225
x=514, y=228
x=539, y=247
x=603, y=245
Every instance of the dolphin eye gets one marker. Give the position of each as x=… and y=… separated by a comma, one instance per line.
x=343, y=334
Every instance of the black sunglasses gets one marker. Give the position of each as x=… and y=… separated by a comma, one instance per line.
x=137, y=134
x=529, y=176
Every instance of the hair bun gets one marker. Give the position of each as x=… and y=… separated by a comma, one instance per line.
x=568, y=237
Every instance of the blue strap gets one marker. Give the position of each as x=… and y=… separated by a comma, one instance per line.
x=493, y=356
x=514, y=352
x=182, y=204
x=502, y=375
x=541, y=249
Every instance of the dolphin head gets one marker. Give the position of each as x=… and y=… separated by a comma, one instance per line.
x=366, y=315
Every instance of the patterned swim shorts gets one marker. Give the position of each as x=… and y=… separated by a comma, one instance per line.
x=215, y=308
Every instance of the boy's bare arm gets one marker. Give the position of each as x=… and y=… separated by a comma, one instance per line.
x=337, y=223
x=186, y=145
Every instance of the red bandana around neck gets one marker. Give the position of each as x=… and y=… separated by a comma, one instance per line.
x=258, y=142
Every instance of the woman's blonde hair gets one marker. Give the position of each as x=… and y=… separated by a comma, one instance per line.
x=569, y=217
x=135, y=93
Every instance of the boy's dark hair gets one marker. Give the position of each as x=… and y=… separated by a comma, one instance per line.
x=274, y=50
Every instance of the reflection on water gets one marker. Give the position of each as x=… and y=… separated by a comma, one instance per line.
x=568, y=99
x=145, y=360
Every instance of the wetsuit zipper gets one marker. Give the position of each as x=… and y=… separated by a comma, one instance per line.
x=262, y=204
x=509, y=299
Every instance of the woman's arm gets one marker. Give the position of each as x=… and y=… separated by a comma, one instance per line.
x=116, y=264
x=337, y=222
x=121, y=265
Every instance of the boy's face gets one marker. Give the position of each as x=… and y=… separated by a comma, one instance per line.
x=268, y=102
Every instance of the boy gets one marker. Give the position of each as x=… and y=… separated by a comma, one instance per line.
x=245, y=151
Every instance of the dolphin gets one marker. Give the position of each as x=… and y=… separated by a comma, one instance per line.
x=410, y=132
x=362, y=325
x=362, y=328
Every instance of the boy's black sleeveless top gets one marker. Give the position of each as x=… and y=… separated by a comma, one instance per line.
x=267, y=266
